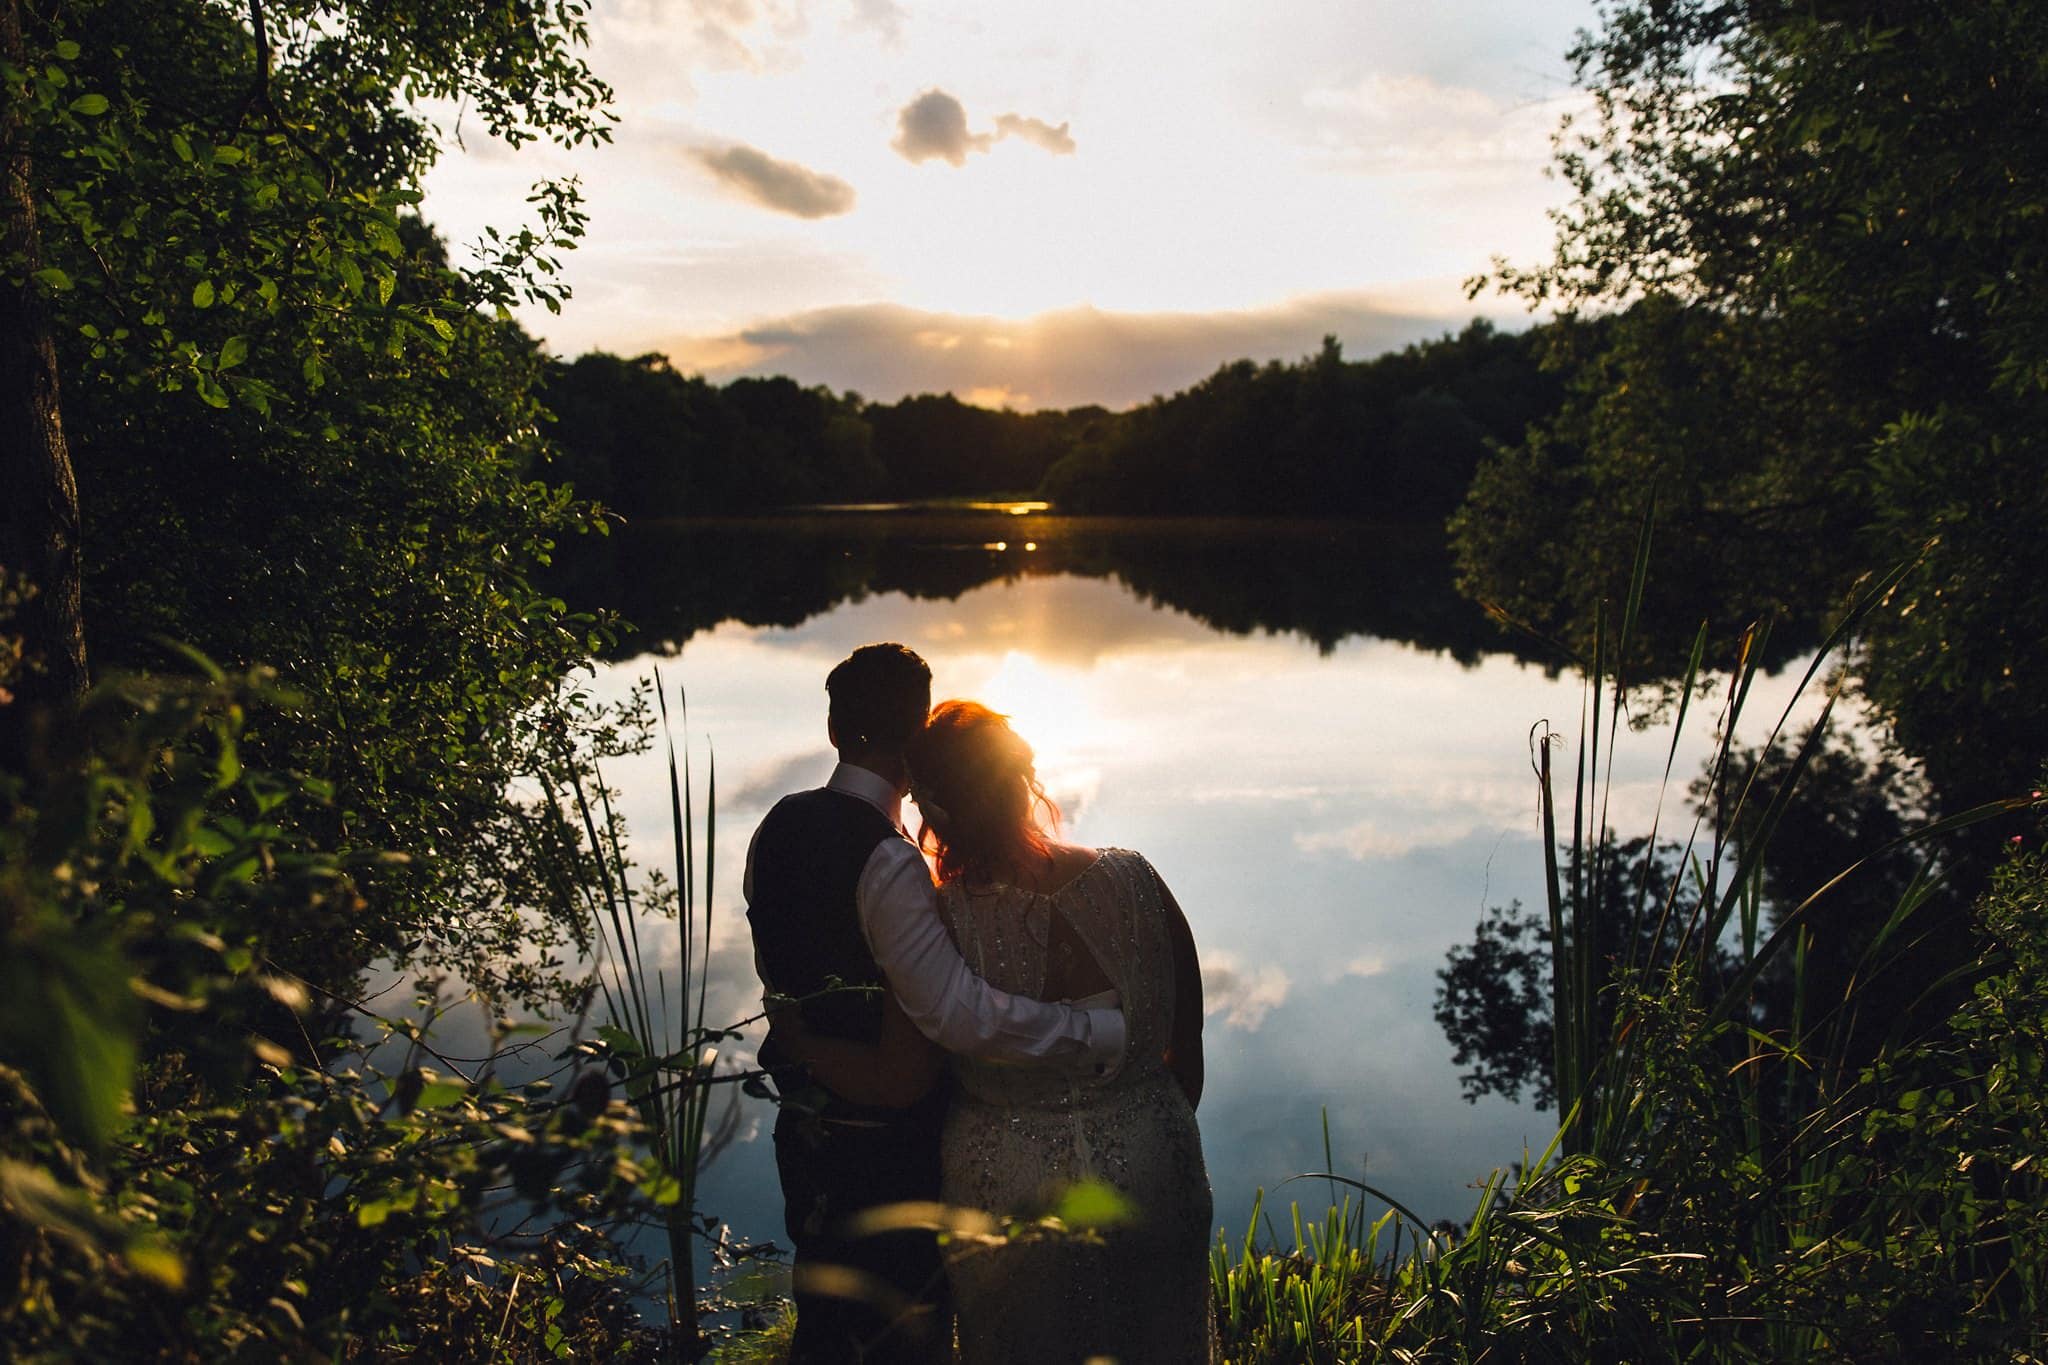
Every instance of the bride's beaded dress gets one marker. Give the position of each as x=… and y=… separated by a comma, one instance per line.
x=1015, y=1137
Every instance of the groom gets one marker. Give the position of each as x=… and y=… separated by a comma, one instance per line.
x=837, y=895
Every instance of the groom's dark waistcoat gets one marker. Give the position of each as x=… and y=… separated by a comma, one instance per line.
x=807, y=861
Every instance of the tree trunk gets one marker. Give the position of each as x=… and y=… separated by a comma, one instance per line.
x=39, y=526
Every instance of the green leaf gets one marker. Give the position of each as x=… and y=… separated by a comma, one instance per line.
x=202, y=294
x=210, y=391
x=351, y=273
x=233, y=352
x=53, y=277
x=226, y=156
x=67, y=51
x=182, y=146
x=89, y=105
x=1092, y=1204
x=440, y=1094
x=154, y=1261
x=374, y=1213
x=67, y=1019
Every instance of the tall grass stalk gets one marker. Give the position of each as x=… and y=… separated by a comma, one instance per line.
x=654, y=1034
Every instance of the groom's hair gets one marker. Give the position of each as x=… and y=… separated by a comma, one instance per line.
x=880, y=697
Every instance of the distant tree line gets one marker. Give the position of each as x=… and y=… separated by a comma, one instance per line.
x=1398, y=437
x=1395, y=438
x=650, y=442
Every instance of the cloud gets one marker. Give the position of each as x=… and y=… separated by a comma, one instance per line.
x=1037, y=132
x=1244, y=997
x=774, y=184
x=935, y=125
x=885, y=17
x=1057, y=360
x=1365, y=966
x=1407, y=122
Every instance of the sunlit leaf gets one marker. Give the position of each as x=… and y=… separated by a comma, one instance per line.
x=1093, y=1204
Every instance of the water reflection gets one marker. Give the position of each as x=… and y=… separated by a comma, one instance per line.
x=1325, y=581
x=1300, y=729
x=1301, y=726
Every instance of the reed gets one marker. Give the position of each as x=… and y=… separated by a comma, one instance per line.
x=654, y=1038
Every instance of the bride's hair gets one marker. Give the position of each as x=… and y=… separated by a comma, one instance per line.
x=974, y=783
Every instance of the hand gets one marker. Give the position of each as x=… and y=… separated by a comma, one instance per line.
x=792, y=1036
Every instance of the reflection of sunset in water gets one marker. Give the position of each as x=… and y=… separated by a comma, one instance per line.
x=1050, y=706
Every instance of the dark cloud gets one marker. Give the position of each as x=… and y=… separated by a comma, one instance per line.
x=935, y=125
x=1060, y=359
x=780, y=185
x=1037, y=132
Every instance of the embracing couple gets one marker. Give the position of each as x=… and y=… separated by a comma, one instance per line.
x=1032, y=1020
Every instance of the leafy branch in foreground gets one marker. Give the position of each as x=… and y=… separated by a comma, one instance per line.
x=197, y=1159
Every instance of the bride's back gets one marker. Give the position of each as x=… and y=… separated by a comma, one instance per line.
x=1057, y=921
x=1104, y=930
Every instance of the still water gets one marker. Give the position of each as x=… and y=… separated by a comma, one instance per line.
x=1324, y=752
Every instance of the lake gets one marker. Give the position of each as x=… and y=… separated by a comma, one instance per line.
x=1324, y=751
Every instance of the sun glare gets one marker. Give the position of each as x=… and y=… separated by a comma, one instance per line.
x=1050, y=707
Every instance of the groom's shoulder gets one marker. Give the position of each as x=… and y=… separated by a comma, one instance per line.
x=808, y=810
x=798, y=805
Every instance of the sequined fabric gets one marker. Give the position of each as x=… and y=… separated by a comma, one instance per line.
x=1016, y=1137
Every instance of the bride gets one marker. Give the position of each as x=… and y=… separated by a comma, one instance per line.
x=1056, y=921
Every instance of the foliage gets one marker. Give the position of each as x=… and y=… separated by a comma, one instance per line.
x=934, y=445
x=1733, y=1181
x=1661, y=404
x=1717, y=1127
x=1900, y=1217
x=649, y=442
x=301, y=437
x=1827, y=220
x=186, y=1139
x=652, y=443
x=1394, y=439
x=1493, y=1005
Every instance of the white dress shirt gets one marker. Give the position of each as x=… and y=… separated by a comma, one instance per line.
x=899, y=916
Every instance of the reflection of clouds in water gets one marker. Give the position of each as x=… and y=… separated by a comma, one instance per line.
x=768, y=783
x=1253, y=771
x=1365, y=966
x=1243, y=996
x=1369, y=839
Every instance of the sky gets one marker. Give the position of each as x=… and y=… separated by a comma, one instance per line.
x=1045, y=204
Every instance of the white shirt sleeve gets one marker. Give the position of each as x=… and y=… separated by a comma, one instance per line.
x=952, y=1006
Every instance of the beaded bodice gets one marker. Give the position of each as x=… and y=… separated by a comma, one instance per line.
x=1007, y=936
